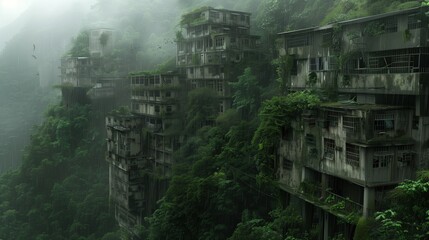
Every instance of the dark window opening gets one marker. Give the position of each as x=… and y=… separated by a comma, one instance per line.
x=352, y=155
x=384, y=122
x=329, y=148
x=287, y=133
x=287, y=164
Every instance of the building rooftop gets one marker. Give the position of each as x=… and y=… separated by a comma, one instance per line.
x=356, y=20
x=351, y=105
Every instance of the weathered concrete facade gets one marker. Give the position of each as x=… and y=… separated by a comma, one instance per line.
x=157, y=99
x=342, y=158
x=211, y=40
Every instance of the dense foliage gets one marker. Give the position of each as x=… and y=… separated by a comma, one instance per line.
x=60, y=191
x=222, y=187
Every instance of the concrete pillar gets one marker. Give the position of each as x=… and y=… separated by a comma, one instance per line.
x=307, y=213
x=321, y=215
x=327, y=225
x=368, y=201
x=324, y=184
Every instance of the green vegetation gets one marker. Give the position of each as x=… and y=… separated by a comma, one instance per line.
x=407, y=214
x=223, y=184
x=60, y=191
x=278, y=113
x=80, y=46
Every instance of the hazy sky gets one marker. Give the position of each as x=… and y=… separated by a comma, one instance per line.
x=11, y=9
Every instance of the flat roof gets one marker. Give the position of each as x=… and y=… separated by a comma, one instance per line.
x=207, y=8
x=354, y=21
x=350, y=105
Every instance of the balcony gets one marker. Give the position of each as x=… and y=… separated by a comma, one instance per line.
x=333, y=203
x=385, y=82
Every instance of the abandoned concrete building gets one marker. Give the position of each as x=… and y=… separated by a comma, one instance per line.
x=211, y=41
x=156, y=100
x=86, y=72
x=338, y=161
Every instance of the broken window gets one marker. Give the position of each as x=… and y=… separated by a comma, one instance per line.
x=384, y=122
x=350, y=123
x=219, y=41
x=327, y=38
x=405, y=156
x=313, y=64
x=214, y=15
x=352, y=154
x=221, y=107
x=287, y=164
x=220, y=87
x=287, y=133
x=310, y=140
x=333, y=117
x=309, y=118
x=298, y=41
x=382, y=157
x=414, y=22
x=329, y=148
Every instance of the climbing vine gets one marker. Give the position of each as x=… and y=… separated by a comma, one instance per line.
x=275, y=114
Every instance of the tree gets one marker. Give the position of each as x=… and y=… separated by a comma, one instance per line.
x=202, y=108
x=408, y=215
x=246, y=94
x=80, y=46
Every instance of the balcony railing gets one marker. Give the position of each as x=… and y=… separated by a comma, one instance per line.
x=338, y=205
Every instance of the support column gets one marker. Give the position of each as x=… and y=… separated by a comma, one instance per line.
x=368, y=201
x=324, y=184
x=326, y=225
x=307, y=213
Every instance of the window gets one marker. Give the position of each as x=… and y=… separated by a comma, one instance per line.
x=350, y=123
x=215, y=15
x=414, y=22
x=221, y=109
x=313, y=64
x=384, y=122
x=333, y=117
x=329, y=148
x=405, y=156
x=220, y=87
x=287, y=164
x=327, y=38
x=352, y=154
x=199, y=45
x=157, y=109
x=242, y=18
x=390, y=24
x=382, y=157
x=219, y=41
x=157, y=81
x=167, y=94
x=298, y=41
x=169, y=108
x=287, y=133
x=317, y=64
x=157, y=94
x=310, y=140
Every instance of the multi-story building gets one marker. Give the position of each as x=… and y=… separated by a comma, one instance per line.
x=340, y=159
x=157, y=100
x=126, y=169
x=211, y=42
x=214, y=40
x=86, y=72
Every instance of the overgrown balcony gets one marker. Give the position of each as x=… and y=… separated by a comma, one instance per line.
x=333, y=203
